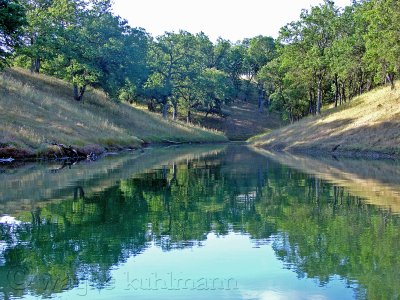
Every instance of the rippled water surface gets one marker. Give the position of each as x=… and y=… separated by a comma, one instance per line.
x=201, y=222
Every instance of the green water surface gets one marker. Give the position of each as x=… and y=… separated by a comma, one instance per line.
x=199, y=222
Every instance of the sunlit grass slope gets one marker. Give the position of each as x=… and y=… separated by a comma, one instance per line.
x=37, y=110
x=243, y=122
x=370, y=123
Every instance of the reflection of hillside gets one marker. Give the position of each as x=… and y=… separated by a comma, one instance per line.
x=23, y=187
x=377, y=182
x=317, y=229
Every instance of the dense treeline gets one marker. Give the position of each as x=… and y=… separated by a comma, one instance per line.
x=327, y=56
x=12, y=18
x=331, y=55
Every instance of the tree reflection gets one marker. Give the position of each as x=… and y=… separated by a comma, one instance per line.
x=318, y=230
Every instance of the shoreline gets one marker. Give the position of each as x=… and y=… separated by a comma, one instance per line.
x=339, y=153
x=95, y=152
x=10, y=155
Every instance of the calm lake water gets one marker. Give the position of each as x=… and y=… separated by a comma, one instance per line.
x=201, y=222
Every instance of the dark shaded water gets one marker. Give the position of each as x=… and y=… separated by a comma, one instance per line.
x=199, y=223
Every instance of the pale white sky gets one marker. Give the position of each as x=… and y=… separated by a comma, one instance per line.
x=230, y=19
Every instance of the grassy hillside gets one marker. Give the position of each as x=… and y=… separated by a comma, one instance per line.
x=37, y=110
x=369, y=124
x=243, y=122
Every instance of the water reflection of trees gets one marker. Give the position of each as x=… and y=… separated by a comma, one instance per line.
x=318, y=230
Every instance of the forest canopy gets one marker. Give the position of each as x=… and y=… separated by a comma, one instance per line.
x=328, y=56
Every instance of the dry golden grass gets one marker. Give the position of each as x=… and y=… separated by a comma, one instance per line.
x=36, y=110
x=368, y=123
x=244, y=121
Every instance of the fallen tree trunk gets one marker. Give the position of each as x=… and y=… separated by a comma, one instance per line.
x=69, y=151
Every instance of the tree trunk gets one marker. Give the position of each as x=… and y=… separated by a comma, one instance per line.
x=311, y=101
x=260, y=99
x=319, y=97
x=336, y=90
x=361, y=84
x=369, y=84
x=343, y=93
x=35, y=65
x=175, y=111
x=174, y=175
x=260, y=182
x=79, y=193
x=78, y=92
x=174, y=172
x=317, y=190
x=350, y=88
x=151, y=106
x=189, y=117
x=291, y=119
x=390, y=78
x=165, y=110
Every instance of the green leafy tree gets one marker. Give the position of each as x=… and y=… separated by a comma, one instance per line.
x=12, y=18
x=172, y=60
x=347, y=69
x=261, y=50
x=40, y=34
x=382, y=38
x=230, y=59
x=96, y=48
x=295, y=71
x=318, y=37
x=216, y=90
